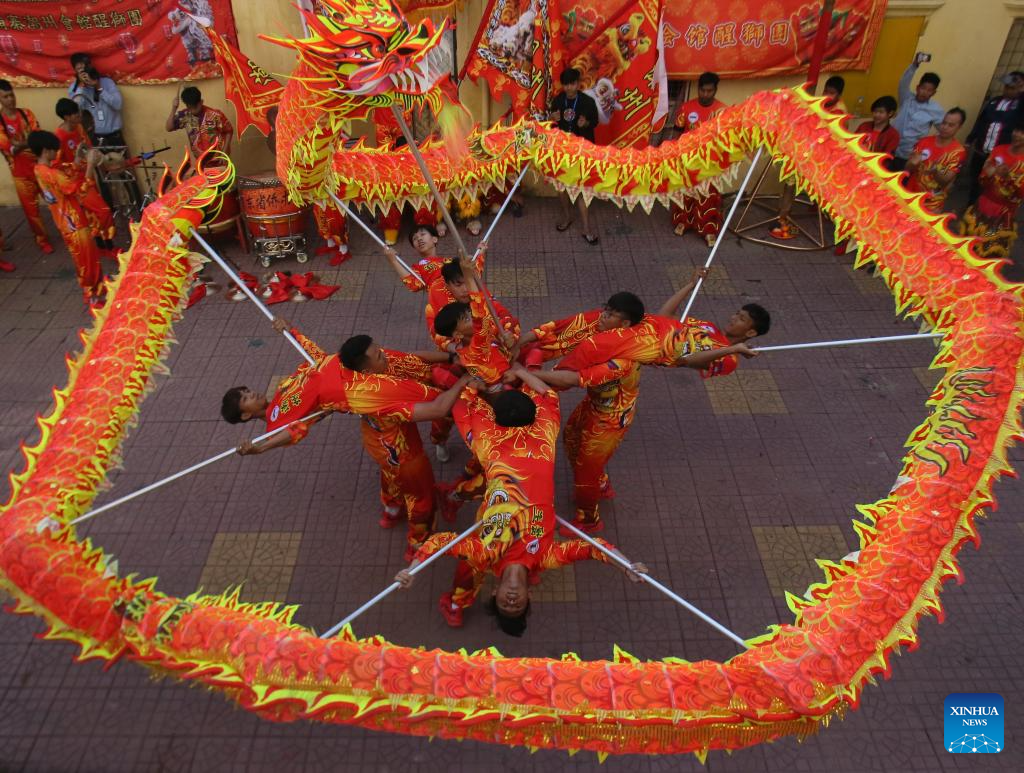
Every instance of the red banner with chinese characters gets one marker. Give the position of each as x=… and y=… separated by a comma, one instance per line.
x=617, y=62
x=131, y=41
x=745, y=38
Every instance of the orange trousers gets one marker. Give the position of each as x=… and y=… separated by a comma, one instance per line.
x=28, y=194
x=406, y=477
x=591, y=439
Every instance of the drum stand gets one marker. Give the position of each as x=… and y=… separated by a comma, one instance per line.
x=121, y=184
x=269, y=248
x=769, y=202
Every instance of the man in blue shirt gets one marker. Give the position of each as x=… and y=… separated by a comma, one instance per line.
x=918, y=112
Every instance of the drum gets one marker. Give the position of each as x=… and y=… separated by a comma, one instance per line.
x=277, y=227
x=226, y=219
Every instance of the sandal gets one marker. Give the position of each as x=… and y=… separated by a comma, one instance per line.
x=591, y=239
x=563, y=226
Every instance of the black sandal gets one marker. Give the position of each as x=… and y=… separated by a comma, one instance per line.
x=591, y=240
x=563, y=226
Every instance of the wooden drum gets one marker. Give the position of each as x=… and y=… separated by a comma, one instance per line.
x=277, y=227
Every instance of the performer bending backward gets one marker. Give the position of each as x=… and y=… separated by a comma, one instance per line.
x=600, y=422
x=660, y=339
x=515, y=442
x=385, y=401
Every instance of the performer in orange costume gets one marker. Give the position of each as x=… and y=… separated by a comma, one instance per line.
x=662, y=340
x=332, y=226
x=444, y=282
x=482, y=346
x=993, y=216
x=600, y=422
x=18, y=123
x=515, y=441
x=700, y=214
x=73, y=143
x=62, y=193
x=936, y=161
x=387, y=403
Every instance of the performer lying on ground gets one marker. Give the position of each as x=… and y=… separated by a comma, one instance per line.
x=599, y=423
x=388, y=404
x=515, y=442
x=661, y=339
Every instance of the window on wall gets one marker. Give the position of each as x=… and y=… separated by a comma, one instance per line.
x=1012, y=57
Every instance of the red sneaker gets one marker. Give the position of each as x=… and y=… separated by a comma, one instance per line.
x=607, y=492
x=339, y=258
x=587, y=527
x=390, y=521
x=448, y=502
x=46, y=247
x=452, y=615
x=6, y=266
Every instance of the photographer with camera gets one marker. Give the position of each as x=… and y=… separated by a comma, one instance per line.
x=918, y=112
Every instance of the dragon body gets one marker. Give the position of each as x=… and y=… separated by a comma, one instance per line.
x=790, y=681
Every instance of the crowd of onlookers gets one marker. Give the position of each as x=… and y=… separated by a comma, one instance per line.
x=918, y=137
x=67, y=167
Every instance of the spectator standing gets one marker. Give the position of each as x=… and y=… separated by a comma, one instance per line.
x=18, y=123
x=936, y=161
x=576, y=113
x=993, y=216
x=879, y=133
x=71, y=158
x=918, y=112
x=784, y=229
x=207, y=127
x=100, y=96
x=701, y=214
x=993, y=127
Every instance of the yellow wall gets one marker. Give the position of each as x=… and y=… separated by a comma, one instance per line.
x=965, y=38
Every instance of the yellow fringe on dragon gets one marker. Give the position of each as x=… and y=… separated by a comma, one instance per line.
x=791, y=679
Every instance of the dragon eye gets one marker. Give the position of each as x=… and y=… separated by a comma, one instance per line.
x=624, y=29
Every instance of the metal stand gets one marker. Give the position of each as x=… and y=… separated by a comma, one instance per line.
x=121, y=183
x=768, y=202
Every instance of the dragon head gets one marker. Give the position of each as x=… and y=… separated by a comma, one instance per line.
x=369, y=49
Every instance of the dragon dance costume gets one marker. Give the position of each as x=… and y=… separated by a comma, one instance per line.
x=16, y=129
x=90, y=197
x=385, y=403
x=518, y=505
x=62, y=192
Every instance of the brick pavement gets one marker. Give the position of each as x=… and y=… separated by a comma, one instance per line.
x=728, y=490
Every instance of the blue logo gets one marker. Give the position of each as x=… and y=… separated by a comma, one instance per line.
x=973, y=723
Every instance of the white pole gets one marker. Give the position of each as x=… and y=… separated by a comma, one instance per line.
x=182, y=473
x=428, y=178
x=508, y=198
x=383, y=245
x=654, y=583
x=249, y=293
x=394, y=586
x=848, y=342
x=722, y=232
